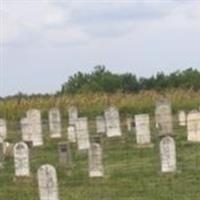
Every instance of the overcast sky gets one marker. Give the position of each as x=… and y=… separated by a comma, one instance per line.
x=43, y=42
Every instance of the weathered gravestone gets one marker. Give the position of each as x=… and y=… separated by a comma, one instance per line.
x=82, y=133
x=64, y=154
x=163, y=115
x=47, y=183
x=143, y=135
x=182, y=118
x=72, y=115
x=26, y=130
x=35, y=126
x=8, y=149
x=100, y=124
x=168, y=154
x=193, y=126
x=3, y=130
x=55, y=123
x=95, y=160
x=71, y=133
x=21, y=159
x=112, y=122
x=1, y=155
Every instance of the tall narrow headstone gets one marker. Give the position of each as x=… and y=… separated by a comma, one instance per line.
x=193, y=126
x=112, y=122
x=1, y=155
x=143, y=135
x=64, y=154
x=47, y=182
x=95, y=160
x=163, y=116
x=82, y=133
x=3, y=130
x=100, y=124
x=182, y=118
x=34, y=119
x=71, y=133
x=21, y=159
x=168, y=154
x=129, y=122
x=55, y=123
x=72, y=115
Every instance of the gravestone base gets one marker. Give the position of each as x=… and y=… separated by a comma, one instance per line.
x=143, y=146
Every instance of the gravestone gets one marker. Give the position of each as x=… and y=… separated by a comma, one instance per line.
x=35, y=126
x=47, y=183
x=21, y=159
x=3, y=130
x=55, y=123
x=26, y=130
x=100, y=124
x=95, y=160
x=82, y=133
x=193, y=126
x=8, y=149
x=182, y=118
x=112, y=122
x=64, y=154
x=168, y=154
x=129, y=122
x=71, y=133
x=72, y=115
x=142, y=125
x=1, y=155
x=163, y=116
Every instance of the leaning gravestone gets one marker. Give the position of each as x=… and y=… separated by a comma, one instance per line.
x=95, y=160
x=168, y=154
x=193, y=126
x=163, y=116
x=26, y=130
x=112, y=122
x=47, y=182
x=143, y=135
x=82, y=133
x=182, y=118
x=100, y=124
x=34, y=119
x=72, y=115
x=3, y=130
x=21, y=159
x=71, y=133
x=55, y=123
x=64, y=154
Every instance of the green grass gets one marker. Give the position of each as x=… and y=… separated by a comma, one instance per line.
x=131, y=173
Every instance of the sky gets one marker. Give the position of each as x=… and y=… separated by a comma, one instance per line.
x=43, y=42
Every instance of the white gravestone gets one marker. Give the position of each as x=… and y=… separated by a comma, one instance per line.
x=82, y=133
x=95, y=160
x=34, y=119
x=47, y=182
x=193, y=126
x=112, y=122
x=100, y=124
x=26, y=130
x=129, y=122
x=72, y=115
x=71, y=133
x=163, y=116
x=168, y=154
x=3, y=130
x=55, y=123
x=142, y=125
x=182, y=118
x=21, y=159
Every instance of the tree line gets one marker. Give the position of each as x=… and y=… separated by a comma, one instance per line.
x=102, y=80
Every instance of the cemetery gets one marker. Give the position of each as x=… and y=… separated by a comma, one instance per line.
x=154, y=156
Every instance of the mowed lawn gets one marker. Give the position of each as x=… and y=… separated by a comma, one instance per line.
x=131, y=173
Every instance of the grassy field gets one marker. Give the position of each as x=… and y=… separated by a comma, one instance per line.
x=131, y=173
